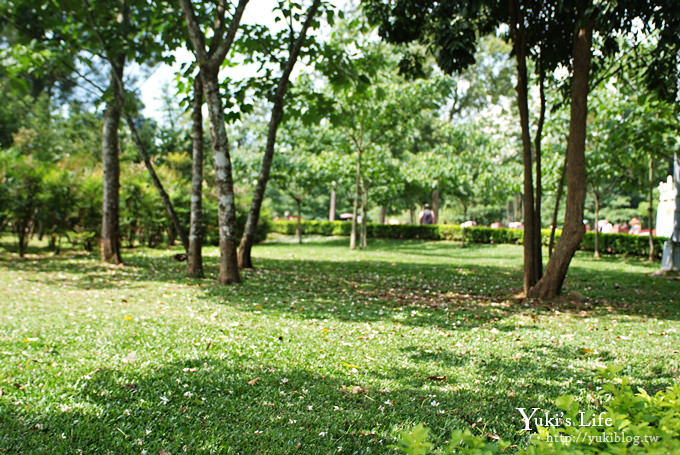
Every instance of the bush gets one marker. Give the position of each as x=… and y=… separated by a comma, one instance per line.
x=640, y=424
x=493, y=235
x=84, y=239
x=375, y=230
x=450, y=232
x=633, y=245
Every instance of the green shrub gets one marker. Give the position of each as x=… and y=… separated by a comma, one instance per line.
x=450, y=232
x=632, y=245
x=375, y=230
x=403, y=231
x=313, y=227
x=638, y=423
x=85, y=239
x=493, y=235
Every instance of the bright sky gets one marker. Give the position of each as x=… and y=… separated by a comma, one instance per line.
x=257, y=12
x=163, y=77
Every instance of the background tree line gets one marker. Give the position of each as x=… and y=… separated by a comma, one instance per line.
x=428, y=113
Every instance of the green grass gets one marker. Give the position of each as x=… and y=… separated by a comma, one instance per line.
x=319, y=350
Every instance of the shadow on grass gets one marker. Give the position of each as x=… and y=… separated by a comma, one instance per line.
x=472, y=290
x=84, y=270
x=211, y=405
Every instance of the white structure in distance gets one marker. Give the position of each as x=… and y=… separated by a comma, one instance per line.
x=666, y=209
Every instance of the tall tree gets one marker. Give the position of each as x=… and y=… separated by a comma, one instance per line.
x=210, y=60
x=96, y=35
x=562, y=30
x=572, y=233
x=532, y=262
x=109, y=246
x=295, y=45
x=194, y=253
x=116, y=44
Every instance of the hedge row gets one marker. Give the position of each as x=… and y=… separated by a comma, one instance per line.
x=374, y=230
x=633, y=245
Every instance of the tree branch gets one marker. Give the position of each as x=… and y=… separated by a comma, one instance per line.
x=218, y=27
x=296, y=48
x=217, y=57
x=195, y=34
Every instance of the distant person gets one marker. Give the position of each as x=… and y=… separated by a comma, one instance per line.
x=426, y=216
x=635, y=226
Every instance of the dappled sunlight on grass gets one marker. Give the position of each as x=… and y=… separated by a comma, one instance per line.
x=318, y=348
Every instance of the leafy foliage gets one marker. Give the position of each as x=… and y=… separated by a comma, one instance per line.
x=637, y=423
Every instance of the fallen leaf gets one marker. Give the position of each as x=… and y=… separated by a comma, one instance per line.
x=354, y=390
x=437, y=378
x=254, y=381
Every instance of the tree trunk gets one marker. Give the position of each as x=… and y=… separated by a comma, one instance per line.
x=194, y=254
x=519, y=39
x=364, y=202
x=382, y=215
x=412, y=215
x=538, y=244
x=116, y=78
x=596, y=195
x=355, y=206
x=248, y=238
x=651, y=208
x=172, y=236
x=558, y=199
x=110, y=235
x=226, y=208
x=22, y=235
x=331, y=209
x=298, y=226
x=179, y=230
x=131, y=236
x=174, y=219
x=435, y=203
x=210, y=62
x=572, y=234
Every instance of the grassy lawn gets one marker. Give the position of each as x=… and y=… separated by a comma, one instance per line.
x=319, y=350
